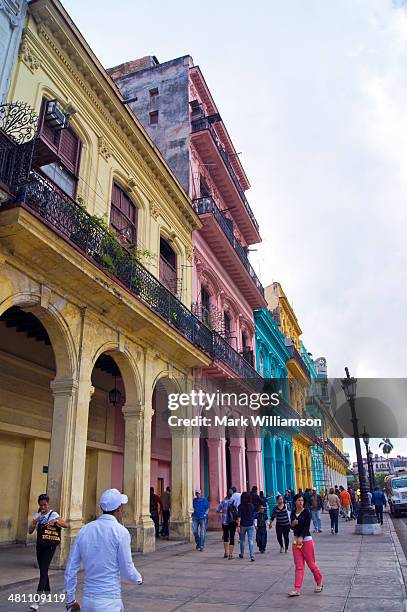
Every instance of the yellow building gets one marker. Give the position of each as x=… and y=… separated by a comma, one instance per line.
x=298, y=378
x=86, y=331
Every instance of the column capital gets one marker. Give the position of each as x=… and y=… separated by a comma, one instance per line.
x=133, y=411
x=64, y=386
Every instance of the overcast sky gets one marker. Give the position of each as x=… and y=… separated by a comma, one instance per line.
x=314, y=95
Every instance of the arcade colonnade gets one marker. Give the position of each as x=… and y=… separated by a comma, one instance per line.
x=60, y=431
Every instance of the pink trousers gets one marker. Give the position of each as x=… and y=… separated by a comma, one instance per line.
x=303, y=555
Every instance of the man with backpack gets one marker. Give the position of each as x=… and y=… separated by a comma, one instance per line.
x=261, y=524
x=378, y=501
x=229, y=511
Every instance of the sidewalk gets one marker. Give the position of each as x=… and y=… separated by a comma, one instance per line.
x=361, y=573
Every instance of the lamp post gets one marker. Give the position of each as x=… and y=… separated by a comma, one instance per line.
x=366, y=440
x=366, y=522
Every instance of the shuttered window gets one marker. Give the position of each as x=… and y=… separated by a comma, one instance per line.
x=123, y=215
x=168, y=266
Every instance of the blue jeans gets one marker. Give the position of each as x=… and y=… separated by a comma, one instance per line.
x=250, y=537
x=199, y=529
x=316, y=518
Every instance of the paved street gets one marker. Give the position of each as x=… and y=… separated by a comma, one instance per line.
x=359, y=574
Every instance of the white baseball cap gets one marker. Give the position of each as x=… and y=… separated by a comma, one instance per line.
x=112, y=499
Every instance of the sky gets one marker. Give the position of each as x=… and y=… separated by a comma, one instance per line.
x=314, y=96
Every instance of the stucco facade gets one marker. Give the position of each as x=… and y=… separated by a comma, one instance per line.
x=180, y=114
x=12, y=19
x=82, y=324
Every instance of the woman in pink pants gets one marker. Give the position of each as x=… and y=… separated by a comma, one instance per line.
x=303, y=547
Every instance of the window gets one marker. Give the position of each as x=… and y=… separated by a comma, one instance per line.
x=261, y=359
x=204, y=188
x=58, y=152
x=154, y=118
x=206, y=306
x=153, y=92
x=123, y=215
x=227, y=325
x=168, y=266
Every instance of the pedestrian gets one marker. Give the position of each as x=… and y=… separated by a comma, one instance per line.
x=200, y=519
x=263, y=500
x=245, y=524
x=166, y=510
x=228, y=508
x=370, y=497
x=102, y=547
x=254, y=498
x=316, y=506
x=352, y=494
x=307, y=498
x=322, y=494
x=288, y=499
x=155, y=502
x=345, y=502
x=357, y=503
x=236, y=495
x=48, y=524
x=379, y=500
x=281, y=514
x=261, y=523
x=303, y=547
x=333, y=505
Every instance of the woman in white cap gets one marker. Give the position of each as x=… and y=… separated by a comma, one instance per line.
x=103, y=547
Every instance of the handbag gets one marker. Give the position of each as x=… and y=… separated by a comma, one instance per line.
x=48, y=535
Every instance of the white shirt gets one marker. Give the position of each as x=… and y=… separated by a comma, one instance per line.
x=50, y=516
x=103, y=547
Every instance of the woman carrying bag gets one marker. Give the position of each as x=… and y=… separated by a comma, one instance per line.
x=48, y=524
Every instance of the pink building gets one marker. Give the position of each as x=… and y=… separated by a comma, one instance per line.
x=174, y=104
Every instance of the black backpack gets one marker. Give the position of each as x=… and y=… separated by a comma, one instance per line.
x=232, y=512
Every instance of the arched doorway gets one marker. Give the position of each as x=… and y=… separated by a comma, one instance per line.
x=32, y=352
x=105, y=440
x=161, y=443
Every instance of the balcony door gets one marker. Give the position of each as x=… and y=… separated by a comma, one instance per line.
x=168, y=266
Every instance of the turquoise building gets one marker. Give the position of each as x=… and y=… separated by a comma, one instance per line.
x=271, y=357
x=314, y=410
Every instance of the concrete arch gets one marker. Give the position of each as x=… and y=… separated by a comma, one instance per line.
x=128, y=369
x=62, y=342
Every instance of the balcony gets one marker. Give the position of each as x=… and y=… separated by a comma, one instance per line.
x=210, y=149
x=298, y=364
x=36, y=200
x=248, y=355
x=334, y=449
x=229, y=252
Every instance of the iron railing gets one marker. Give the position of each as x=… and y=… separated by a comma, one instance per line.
x=222, y=350
x=198, y=125
x=73, y=222
x=294, y=354
x=208, y=205
x=96, y=243
x=336, y=450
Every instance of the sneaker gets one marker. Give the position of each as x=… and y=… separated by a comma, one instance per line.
x=34, y=606
x=286, y=551
x=332, y=531
x=197, y=547
x=252, y=559
x=240, y=556
x=319, y=530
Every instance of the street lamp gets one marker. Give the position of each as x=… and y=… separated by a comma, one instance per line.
x=366, y=440
x=366, y=522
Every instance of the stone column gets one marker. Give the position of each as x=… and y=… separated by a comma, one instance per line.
x=254, y=464
x=181, y=484
x=66, y=470
x=217, y=476
x=237, y=463
x=136, y=476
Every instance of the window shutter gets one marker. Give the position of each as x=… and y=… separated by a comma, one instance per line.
x=69, y=149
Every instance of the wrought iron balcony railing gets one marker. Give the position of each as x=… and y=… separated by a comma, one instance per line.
x=73, y=223
x=222, y=350
x=198, y=125
x=207, y=205
x=96, y=243
x=294, y=354
x=248, y=355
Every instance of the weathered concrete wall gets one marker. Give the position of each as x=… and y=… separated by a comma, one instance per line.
x=171, y=133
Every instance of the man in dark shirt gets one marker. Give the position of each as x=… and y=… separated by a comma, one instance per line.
x=155, y=501
x=166, y=509
x=254, y=498
x=260, y=521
